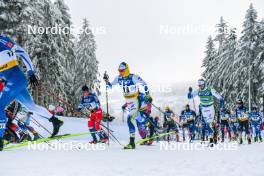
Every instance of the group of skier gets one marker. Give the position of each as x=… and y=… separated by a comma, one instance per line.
x=138, y=104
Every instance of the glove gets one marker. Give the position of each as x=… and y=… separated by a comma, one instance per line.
x=33, y=79
x=124, y=107
x=106, y=77
x=149, y=98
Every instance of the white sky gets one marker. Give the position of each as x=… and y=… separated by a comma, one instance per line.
x=133, y=33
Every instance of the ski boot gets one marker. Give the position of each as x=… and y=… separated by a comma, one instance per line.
x=249, y=140
x=260, y=139
x=131, y=144
x=222, y=140
x=211, y=142
x=57, y=123
x=150, y=142
x=104, y=140
x=240, y=140
x=144, y=143
x=93, y=142
x=23, y=137
x=256, y=139
x=1, y=144
x=36, y=136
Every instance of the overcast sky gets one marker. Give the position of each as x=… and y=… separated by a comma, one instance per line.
x=162, y=40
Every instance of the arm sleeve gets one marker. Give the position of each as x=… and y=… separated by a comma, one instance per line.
x=25, y=58
x=216, y=94
x=114, y=82
x=97, y=102
x=219, y=97
x=139, y=81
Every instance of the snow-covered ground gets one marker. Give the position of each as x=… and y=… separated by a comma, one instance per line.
x=114, y=161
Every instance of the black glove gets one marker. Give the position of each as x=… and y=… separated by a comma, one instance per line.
x=106, y=77
x=149, y=98
x=33, y=80
x=124, y=107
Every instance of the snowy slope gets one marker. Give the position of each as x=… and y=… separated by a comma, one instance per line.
x=145, y=160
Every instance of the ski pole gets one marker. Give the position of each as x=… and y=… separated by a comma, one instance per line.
x=158, y=108
x=107, y=108
x=40, y=125
x=106, y=128
x=123, y=116
x=115, y=138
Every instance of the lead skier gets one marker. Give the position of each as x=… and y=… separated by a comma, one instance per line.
x=206, y=95
x=130, y=84
x=16, y=84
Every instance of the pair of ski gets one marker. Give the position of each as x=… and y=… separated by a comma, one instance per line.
x=45, y=140
x=42, y=140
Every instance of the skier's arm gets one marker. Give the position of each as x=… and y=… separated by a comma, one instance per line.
x=114, y=82
x=96, y=102
x=219, y=97
x=25, y=58
x=140, y=82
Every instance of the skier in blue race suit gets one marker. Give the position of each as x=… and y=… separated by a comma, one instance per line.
x=255, y=118
x=16, y=84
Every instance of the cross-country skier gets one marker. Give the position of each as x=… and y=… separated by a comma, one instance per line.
x=91, y=103
x=243, y=121
x=206, y=95
x=223, y=116
x=188, y=118
x=16, y=84
x=144, y=119
x=130, y=83
x=169, y=123
x=24, y=124
x=233, y=124
x=145, y=113
x=256, y=119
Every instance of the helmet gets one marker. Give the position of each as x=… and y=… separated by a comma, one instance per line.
x=167, y=108
x=123, y=67
x=187, y=106
x=240, y=101
x=201, y=82
x=254, y=108
x=52, y=108
x=85, y=88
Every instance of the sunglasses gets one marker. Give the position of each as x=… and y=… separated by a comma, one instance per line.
x=121, y=71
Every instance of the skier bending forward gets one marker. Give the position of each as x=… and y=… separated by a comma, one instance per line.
x=91, y=103
x=130, y=84
x=16, y=84
x=206, y=95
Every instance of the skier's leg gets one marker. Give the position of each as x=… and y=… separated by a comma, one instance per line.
x=141, y=125
x=92, y=128
x=16, y=81
x=132, y=114
x=222, y=130
x=25, y=98
x=208, y=113
x=247, y=132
